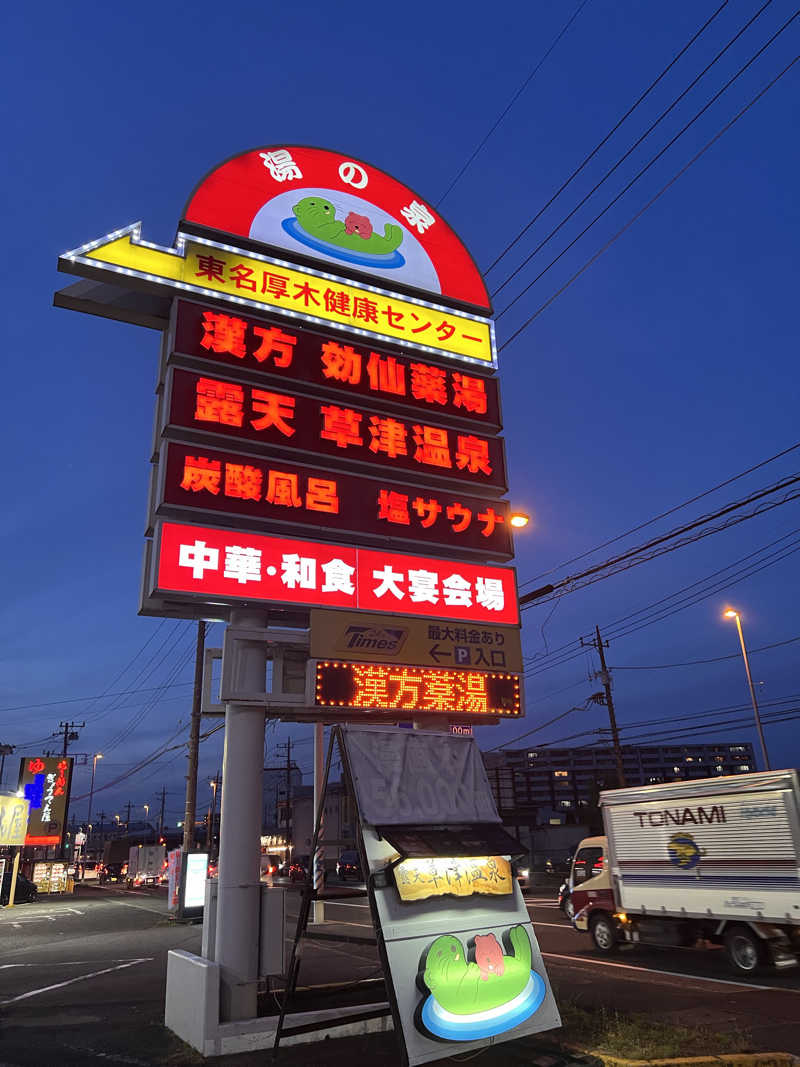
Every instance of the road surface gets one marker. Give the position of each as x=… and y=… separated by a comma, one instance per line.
x=82, y=979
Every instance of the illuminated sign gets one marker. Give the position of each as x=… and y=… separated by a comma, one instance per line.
x=419, y=879
x=416, y=689
x=480, y=986
x=207, y=268
x=271, y=347
x=13, y=820
x=45, y=782
x=362, y=637
x=232, y=565
x=343, y=211
x=295, y=422
x=274, y=492
x=194, y=881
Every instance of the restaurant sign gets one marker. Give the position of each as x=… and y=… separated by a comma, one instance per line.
x=45, y=783
x=231, y=566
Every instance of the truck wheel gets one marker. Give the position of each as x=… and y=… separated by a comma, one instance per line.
x=603, y=934
x=744, y=949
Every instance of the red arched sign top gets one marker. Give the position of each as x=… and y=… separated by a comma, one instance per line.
x=341, y=211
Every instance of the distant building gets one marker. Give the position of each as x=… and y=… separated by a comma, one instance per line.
x=534, y=786
x=340, y=821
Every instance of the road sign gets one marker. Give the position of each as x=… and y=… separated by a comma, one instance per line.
x=408, y=691
x=232, y=566
x=208, y=268
x=389, y=639
x=276, y=353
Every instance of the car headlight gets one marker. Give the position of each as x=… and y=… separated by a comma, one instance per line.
x=524, y=872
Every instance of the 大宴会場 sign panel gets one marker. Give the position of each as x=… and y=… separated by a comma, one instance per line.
x=231, y=566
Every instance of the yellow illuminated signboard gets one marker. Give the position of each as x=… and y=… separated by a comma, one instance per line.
x=13, y=820
x=212, y=269
x=418, y=879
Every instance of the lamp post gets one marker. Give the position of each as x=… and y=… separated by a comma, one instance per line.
x=98, y=755
x=731, y=614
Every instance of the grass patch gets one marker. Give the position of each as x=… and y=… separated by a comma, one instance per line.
x=639, y=1037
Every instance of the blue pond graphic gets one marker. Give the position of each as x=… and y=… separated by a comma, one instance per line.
x=295, y=230
x=450, y=1027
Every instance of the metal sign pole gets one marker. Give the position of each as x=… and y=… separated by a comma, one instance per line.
x=319, y=855
x=238, y=906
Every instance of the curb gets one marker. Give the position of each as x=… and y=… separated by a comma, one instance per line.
x=754, y=1059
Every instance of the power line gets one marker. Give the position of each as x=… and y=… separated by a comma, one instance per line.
x=648, y=205
x=513, y=100
x=676, y=538
x=647, y=166
x=605, y=140
x=99, y=696
x=697, y=662
x=663, y=515
x=572, y=649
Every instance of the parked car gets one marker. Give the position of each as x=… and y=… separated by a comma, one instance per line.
x=349, y=866
x=113, y=872
x=25, y=893
x=522, y=875
x=559, y=864
x=270, y=866
x=565, y=899
x=298, y=869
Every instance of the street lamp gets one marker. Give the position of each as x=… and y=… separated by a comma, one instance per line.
x=519, y=519
x=98, y=755
x=731, y=614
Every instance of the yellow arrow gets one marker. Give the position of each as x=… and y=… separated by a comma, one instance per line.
x=207, y=268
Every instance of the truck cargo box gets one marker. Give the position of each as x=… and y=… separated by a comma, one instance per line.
x=724, y=847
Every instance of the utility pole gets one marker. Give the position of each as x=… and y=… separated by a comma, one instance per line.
x=190, y=813
x=605, y=678
x=5, y=750
x=288, y=809
x=70, y=733
x=128, y=819
x=161, y=813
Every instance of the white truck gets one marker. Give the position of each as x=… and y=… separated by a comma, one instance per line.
x=147, y=864
x=685, y=863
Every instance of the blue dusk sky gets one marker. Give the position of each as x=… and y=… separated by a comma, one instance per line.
x=667, y=367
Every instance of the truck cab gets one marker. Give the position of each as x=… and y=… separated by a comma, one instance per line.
x=591, y=892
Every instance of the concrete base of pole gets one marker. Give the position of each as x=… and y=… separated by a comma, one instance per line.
x=238, y=900
x=192, y=1012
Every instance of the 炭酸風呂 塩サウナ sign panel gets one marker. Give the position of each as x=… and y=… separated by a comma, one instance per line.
x=237, y=488
x=230, y=566
x=281, y=352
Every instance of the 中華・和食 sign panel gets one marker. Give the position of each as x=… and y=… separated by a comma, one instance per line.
x=227, y=565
